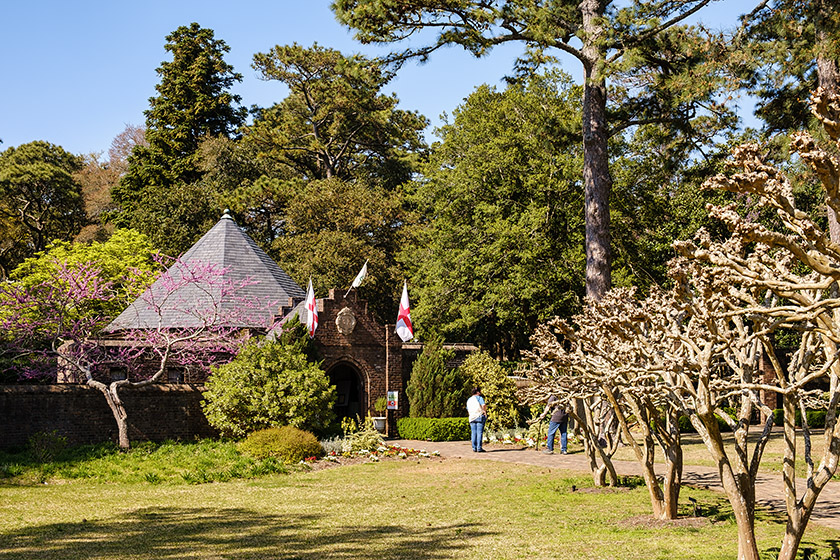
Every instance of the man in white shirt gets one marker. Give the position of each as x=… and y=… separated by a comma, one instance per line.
x=477, y=410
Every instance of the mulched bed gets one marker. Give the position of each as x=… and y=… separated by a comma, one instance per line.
x=391, y=453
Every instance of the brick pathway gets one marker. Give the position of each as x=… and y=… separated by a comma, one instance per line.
x=769, y=489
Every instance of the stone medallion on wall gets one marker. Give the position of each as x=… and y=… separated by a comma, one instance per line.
x=345, y=321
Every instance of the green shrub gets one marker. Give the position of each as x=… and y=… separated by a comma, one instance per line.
x=46, y=446
x=816, y=418
x=289, y=444
x=499, y=390
x=435, y=390
x=268, y=384
x=686, y=426
x=366, y=437
x=434, y=429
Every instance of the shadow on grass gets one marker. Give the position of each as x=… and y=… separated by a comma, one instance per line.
x=173, y=533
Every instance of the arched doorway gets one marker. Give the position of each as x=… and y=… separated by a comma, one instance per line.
x=348, y=384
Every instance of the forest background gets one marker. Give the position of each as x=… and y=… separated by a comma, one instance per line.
x=481, y=209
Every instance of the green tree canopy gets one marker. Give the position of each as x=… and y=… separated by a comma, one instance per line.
x=126, y=260
x=659, y=69
x=499, y=245
x=335, y=122
x=193, y=102
x=786, y=49
x=39, y=200
x=332, y=227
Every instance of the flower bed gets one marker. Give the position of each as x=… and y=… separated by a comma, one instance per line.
x=385, y=452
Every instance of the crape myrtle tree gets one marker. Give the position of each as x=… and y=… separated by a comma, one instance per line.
x=795, y=267
x=595, y=363
x=40, y=200
x=55, y=327
x=656, y=66
x=160, y=195
x=731, y=298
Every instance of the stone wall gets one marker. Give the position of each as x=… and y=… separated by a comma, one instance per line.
x=80, y=413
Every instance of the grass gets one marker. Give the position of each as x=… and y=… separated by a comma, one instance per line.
x=419, y=509
x=156, y=463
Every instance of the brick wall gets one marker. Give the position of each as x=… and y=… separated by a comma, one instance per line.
x=80, y=413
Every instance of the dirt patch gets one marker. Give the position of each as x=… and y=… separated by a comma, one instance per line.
x=650, y=522
x=601, y=490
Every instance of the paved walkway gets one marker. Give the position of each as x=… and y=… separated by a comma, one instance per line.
x=769, y=489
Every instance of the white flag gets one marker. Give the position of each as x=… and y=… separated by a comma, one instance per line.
x=311, y=310
x=404, y=328
x=359, y=277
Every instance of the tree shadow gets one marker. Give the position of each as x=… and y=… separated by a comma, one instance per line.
x=233, y=533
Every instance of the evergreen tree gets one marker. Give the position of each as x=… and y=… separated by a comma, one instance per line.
x=335, y=122
x=193, y=102
x=436, y=390
x=659, y=69
x=498, y=245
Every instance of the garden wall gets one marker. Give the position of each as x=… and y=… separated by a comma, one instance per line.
x=80, y=413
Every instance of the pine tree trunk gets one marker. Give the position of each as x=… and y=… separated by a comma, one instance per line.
x=596, y=172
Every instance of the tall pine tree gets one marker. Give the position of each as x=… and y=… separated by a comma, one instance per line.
x=193, y=103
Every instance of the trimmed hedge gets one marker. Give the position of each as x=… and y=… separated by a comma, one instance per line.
x=816, y=418
x=434, y=429
x=687, y=428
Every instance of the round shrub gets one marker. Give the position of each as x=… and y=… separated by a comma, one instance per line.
x=287, y=443
x=268, y=384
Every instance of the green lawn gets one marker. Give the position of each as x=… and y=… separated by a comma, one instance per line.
x=413, y=509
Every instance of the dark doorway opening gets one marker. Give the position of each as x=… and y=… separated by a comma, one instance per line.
x=348, y=385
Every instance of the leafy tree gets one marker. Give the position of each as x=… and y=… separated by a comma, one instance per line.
x=639, y=46
x=335, y=123
x=193, y=102
x=343, y=224
x=784, y=50
x=434, y=389
x=269, y=384
x=499, y=390
x=53, y=328
x=126, y=261
x=500, y=208
x=39, y=200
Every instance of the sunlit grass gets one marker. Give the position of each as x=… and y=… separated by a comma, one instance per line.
x=155, y=463
x=418, y=509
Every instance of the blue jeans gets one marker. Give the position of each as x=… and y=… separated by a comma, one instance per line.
x=552, y=429
x=477, y=432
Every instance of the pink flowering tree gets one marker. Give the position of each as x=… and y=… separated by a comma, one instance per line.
x=53, y=329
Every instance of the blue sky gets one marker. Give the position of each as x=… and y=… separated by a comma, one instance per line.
x=74, y=73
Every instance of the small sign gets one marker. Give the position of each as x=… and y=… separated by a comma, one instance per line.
x=392, y=400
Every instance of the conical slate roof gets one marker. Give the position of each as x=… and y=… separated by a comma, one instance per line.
x=187, y=305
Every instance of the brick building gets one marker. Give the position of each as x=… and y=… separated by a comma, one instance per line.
x=362, y=358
